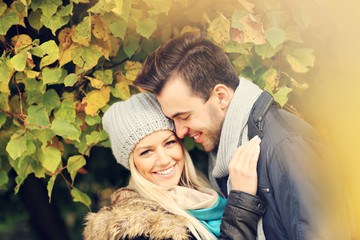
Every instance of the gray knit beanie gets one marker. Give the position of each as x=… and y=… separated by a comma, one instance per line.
x=129, y=121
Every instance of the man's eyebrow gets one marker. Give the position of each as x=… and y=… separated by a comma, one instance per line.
x=177, y=114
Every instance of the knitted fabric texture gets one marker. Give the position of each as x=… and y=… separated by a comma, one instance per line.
x=129, y=121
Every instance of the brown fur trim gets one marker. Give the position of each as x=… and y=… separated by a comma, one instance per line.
x=131, y=215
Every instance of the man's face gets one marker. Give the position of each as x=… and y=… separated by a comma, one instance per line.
x=192, y=115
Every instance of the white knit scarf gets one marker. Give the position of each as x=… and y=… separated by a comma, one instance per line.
x=234, y=132
x=188, y=198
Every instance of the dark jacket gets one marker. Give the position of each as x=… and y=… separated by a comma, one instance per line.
x=295, y=169
x=131, y=216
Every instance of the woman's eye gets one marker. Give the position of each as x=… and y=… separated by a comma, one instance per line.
x=170, y=142
x=144, y=152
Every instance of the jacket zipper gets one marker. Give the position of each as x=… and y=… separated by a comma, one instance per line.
x=262, y=114
x=264, y=189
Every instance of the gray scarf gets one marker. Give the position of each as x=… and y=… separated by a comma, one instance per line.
x=234, y=132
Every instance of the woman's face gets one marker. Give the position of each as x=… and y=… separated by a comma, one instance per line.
x=159, y=157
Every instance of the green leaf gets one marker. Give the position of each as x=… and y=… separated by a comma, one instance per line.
x=300, y=59
x=52, y=50
x=266, y=50
x=121, y=90
x=234, y=47
x=2, y=118
x=131, y=44
x=35, y=19
x=254, y=61
x=16, y=146
x=79, y=196
x=219, y=29
x=70, y=80
x=118, y=28
x=37, y=117
x=146, y=27
x=74, y=164
x=4, y=101
x=51, y=75
x=105, y=76
x=86, y=57
x=92, y=120
x=44, y=135
x=19, y=61
x=82, y=32
x=96, y=137
x=50, y=186
x=64, y=128
x=36, y=168
x=6, y=74
x=55, y=22
x=50, y=158
x=51, y=100
x=281, y=96
x=275, y=36
x=4, y=179
x=236, y=19
x=3, y=8
x=66, y=110
x=6, y=21
x=48, y=7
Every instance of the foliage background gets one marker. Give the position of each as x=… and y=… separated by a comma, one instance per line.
x=64, y=62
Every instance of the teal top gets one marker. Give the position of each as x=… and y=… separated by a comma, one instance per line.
x=211, y=217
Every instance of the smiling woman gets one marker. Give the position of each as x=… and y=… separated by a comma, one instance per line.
x=166, y=198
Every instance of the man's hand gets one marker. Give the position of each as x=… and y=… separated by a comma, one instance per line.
x=242, y=167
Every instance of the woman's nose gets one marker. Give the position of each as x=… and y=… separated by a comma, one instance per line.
x=163, y=158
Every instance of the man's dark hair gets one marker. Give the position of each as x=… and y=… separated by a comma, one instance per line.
x=198, y=61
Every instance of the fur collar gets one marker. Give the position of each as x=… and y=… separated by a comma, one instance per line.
x=130, y=216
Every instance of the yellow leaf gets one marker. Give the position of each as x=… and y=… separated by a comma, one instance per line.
x=100, y=27
x=82, y=32
x=118, y=9
x=65, y=37
x=115, y=45
x=247, y=5
x=65, y=54
x=31, y=74
x=253, y=30
x=20, y=41
x=219, y=29
x=95, y=100
x=96, y=83
x=104, y=46
x=188, y=28
x=132, y=69
x=121, y=91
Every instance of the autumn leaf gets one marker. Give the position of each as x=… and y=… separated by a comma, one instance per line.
x=82, y=32
x=95, y=100
x=300, y=59
x=253, y=31
x=96, y=83
x=132, y=69
x=20, y=41
x=219, y=29
x=100, y=27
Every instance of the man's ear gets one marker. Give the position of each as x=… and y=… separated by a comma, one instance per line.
x=223, y=94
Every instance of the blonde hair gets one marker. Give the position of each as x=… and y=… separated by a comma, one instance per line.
x=189, y=178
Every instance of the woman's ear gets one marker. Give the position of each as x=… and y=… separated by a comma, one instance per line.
x=223, y=95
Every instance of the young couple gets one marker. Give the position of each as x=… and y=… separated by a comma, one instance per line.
x=201, y=95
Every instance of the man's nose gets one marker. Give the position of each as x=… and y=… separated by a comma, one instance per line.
x=181, y=129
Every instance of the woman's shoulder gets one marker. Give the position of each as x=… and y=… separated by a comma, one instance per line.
x=131, y=216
